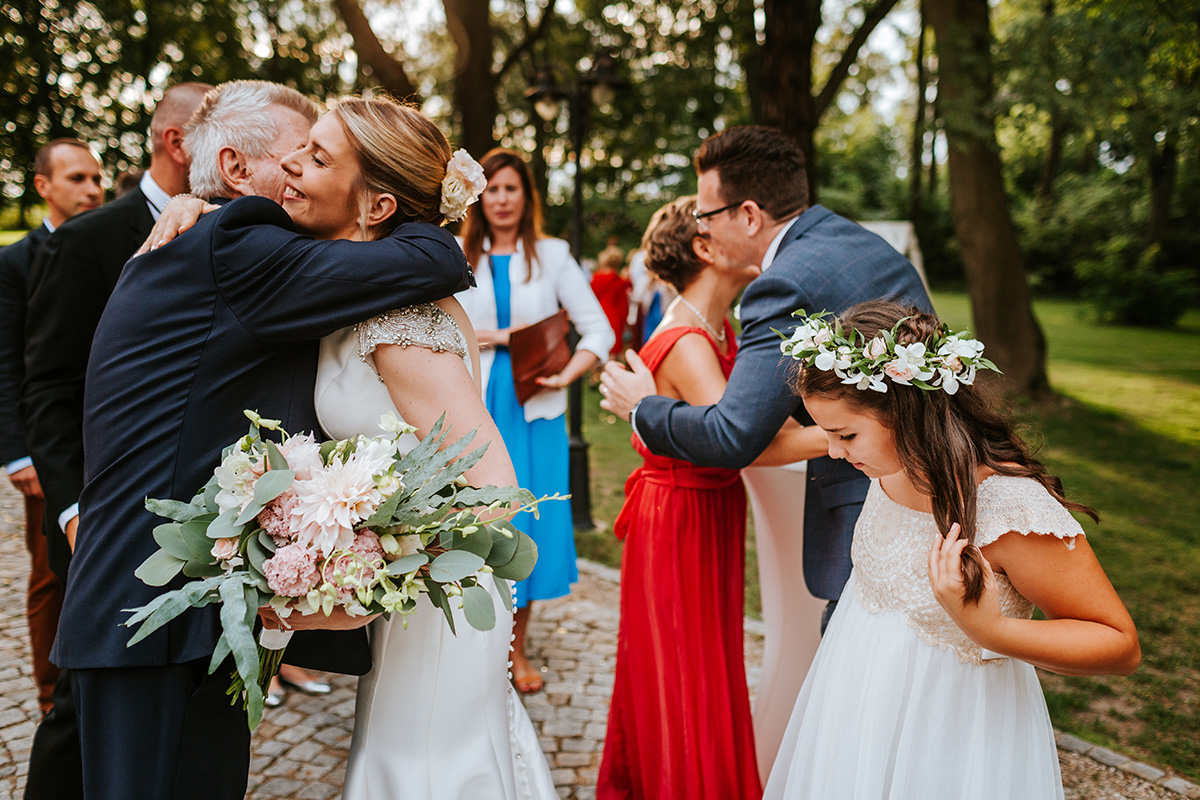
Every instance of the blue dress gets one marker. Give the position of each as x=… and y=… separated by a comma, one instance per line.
x=541, y=457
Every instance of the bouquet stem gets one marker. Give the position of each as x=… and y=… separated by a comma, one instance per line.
x=271, y=644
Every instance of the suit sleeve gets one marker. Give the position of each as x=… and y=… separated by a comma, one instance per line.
x=66, y=296
x=758, y=397
x=284, y=286
x=12, y=335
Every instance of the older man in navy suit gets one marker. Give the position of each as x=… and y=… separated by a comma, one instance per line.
x=226, y=317
x=753, y=203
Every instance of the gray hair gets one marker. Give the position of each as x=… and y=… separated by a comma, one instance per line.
x=236, y=115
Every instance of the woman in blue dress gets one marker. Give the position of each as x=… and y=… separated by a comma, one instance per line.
x=523, y=277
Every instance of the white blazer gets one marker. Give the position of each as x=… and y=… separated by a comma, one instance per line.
x=557, y=282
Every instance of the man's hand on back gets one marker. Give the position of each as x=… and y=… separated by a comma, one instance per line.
x=624, y=388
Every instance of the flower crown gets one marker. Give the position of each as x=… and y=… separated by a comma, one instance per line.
x=948, y=360
x=463, y=184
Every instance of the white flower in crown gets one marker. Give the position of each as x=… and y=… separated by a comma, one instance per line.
x=461, y=187
x=909, y=364
x=862, y=380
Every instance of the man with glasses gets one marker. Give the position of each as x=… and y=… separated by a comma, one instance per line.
x=753, y=203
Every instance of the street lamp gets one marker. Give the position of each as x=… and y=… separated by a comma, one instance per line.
x=597, y=85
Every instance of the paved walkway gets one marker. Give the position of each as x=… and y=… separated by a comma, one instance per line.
x=299, y=751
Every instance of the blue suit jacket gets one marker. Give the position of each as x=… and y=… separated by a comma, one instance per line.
x=226, y=317
x=824, y=263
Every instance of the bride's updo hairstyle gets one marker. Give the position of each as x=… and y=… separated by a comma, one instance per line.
x=401, y=153
x=668, y=243
x=941, y=438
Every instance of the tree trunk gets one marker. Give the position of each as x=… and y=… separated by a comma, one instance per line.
x=996, y=276
x=1058, y=129
x=1162, y=186
x=783, y=96
x=916, y=161
x=385, y=68
x=474, y=83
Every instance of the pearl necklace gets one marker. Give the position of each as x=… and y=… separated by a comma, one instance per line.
x=720, y=337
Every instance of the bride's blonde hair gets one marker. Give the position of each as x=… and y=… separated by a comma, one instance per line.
x=401, y=153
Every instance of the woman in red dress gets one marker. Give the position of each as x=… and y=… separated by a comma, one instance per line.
x=679, y=725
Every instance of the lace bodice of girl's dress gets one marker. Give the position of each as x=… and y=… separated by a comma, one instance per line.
x=350, y=395
x=891, y=547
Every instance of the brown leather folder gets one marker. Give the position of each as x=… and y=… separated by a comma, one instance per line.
x=538, y=351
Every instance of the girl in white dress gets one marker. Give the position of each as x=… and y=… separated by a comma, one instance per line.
x=924, y=685
x=436, y=717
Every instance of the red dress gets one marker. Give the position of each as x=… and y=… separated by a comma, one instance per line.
x=679, y=725
x=613, y=293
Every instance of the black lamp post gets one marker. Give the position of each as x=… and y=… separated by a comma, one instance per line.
x=598, y=85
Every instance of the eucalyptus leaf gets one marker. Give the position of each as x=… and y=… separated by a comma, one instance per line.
x=159, y=569
x=219, y=654
x=454, y=565
x=406, y=564
x=224, y=526
x=242, y=645
x=505, y=589
x=167, y=607
x=521, y=564
x=479, y=542
x=275, y=458
x=267, y=542
x=437, y=596
x=173, y=509
x=169, y=537
x=199, y=569
x=479, y=608
x=195, y=538
x=505, y=538
x=273, y=483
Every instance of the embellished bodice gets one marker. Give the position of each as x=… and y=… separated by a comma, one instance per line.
x=891, y=554
x=350, y=396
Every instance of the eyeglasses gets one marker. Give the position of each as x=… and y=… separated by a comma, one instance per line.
x=702, y=218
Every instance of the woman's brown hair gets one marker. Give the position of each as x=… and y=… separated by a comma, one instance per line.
x=943, y=439
x=529, y=229
x=668, y=241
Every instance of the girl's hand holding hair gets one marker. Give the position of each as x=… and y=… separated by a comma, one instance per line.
x=977, y=620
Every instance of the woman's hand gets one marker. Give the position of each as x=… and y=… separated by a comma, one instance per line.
x=177, y=216
x=492, y=339
x=977, y=620
x=559, y=381
x=339, y=620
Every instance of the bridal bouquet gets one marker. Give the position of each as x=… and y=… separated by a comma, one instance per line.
x=306, y=527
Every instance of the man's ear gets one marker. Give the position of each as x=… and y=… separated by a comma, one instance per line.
x=41, y=183
x=235, y=172
x=382, y=206
x=752, y=216
x=172, y=139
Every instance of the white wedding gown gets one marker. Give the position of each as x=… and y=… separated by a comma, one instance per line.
x=436, y=718
x=899, y=703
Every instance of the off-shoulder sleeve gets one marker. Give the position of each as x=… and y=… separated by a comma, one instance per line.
x=1021, y=505
x=424, y=325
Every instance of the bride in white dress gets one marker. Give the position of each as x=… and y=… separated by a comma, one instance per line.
x=436, y=716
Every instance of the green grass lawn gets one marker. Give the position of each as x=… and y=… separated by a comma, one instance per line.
x=1123, y=432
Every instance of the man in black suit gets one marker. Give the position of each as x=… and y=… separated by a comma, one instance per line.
x=69, y=285
x=67, y=177
x=226, y=317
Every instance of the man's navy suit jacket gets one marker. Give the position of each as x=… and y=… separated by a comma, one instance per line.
x=226, y=317
x=15, y=261
x=824, y=263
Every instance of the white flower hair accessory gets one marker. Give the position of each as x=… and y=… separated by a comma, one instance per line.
x=944, y=363
x=461, y=187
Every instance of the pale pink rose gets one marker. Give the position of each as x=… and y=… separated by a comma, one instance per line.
x=876, y=347
x=225, y=549
x=900, y=370
x=276, y=518
x=292, y=571
x=954, y=363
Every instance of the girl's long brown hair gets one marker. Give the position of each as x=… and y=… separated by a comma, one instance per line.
x=942, y=439
x=529, y=230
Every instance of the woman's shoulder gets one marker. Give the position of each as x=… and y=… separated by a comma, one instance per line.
x=1015, y=504
x=552, y=249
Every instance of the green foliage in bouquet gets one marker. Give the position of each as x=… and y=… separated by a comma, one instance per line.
x=431, y=508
